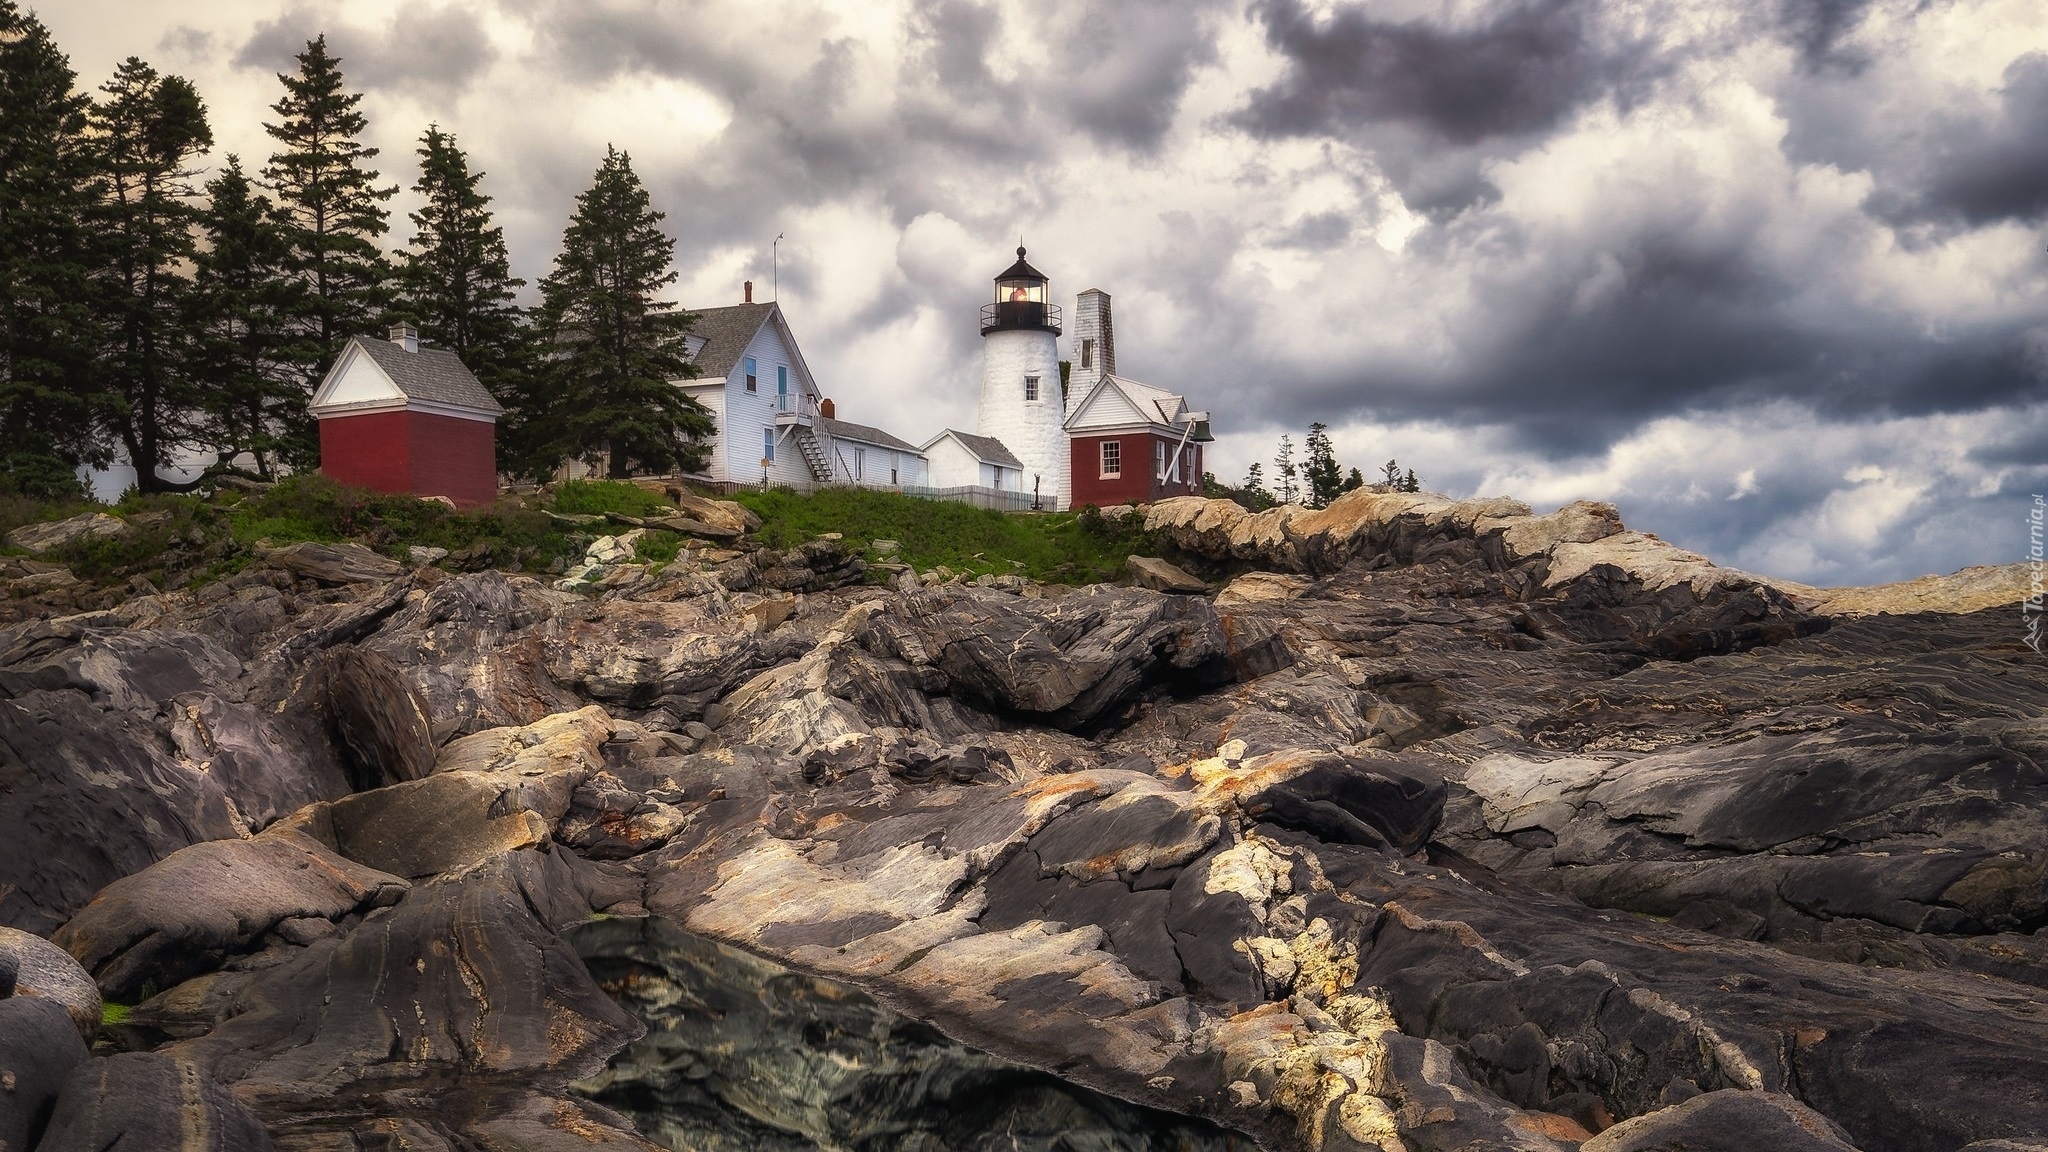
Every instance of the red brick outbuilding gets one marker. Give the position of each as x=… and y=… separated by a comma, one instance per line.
x=396, y=417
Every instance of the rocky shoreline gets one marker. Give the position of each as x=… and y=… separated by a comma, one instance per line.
x=1441, y=826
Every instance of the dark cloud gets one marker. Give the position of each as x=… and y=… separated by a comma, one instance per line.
x=1818, y=27
x=437, y=51
x=1124, y=68
x=1996, y=168
x=1520, y=72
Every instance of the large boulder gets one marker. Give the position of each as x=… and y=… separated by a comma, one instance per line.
x=379, y=719
x=156, y=1100
x=333, y=563
x=1726, y=1121
x=201, y=905
x=33, y=966
x=38, y=1049
x=41, y=538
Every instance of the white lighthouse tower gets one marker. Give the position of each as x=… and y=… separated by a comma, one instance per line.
x=1021, y=403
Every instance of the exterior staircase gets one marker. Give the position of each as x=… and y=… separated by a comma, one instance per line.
x=814, y=454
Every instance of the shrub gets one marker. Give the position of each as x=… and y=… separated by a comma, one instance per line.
x=597, y=497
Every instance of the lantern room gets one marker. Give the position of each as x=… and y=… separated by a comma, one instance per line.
x=1021, y=301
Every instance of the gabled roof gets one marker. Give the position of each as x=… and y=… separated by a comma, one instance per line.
x=846, y=430
x=1147, y=403
x=434, y=375
x=986, y=449
x=727, y=332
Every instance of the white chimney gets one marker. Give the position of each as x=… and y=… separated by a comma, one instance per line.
x=1093, y=350
x=406, y=336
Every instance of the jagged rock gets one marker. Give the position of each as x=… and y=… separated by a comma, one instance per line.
x=32, y=966
x=423, y=554
x=698, y=528
x=39, y=1047
x=201, y=905
x=332, y=563
x=41, y=538
x=1160, y=576
x=150, y=1100
x=1726, y=1121
x=379, y=719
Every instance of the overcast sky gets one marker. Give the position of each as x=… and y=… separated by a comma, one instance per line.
x=1769, y=275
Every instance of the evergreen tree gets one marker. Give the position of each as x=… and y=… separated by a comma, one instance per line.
x=1355, y=481
x=1286, y=476
x=330, y=198
x=250, y=361
x=1323, y=480
x=616, y=349
x=1390, y=476
x=48, y=406
x=146, y=135
x=458, y=282
x=1257, y=498
x=1410, y=483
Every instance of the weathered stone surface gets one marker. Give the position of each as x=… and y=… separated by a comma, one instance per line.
x=41, y=538
x=333, y=563
x=1726, y=1121
x=1160, y=576
x=150, y=1100
x=39, y=1046
x=448, y=820
x=201, y=905
x=32, y=966
x=379, y=719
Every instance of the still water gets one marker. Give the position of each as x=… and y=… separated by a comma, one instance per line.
x=742, y=1055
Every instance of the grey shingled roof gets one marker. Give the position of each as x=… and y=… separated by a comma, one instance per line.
x=727, y=332
x=843, y=430
x=987, y=449
x=435, y=375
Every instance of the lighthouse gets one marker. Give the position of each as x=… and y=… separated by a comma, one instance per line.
x=1021, y=404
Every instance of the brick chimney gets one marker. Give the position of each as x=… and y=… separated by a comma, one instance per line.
x=826, y=409
x=406, y=336
x=750, y=291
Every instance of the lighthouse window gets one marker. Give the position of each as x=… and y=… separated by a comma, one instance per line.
x=1112, y=458
x=1087, y=353
x=1031, y=387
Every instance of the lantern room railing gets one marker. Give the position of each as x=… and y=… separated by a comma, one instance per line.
x=1005, y=314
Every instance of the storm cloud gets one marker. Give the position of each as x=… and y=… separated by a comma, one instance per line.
x=1769, y=274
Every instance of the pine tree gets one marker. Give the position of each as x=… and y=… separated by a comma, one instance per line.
x=146, y=135
x=1324, y=481
x=331, y=200
x=1390, y=476
x=48, y=405
x=1255, y=486
x=1410, y=483
x=1286, y=476
x=616, y=348
x=250, y=361
x=457, y=281
x=1355, y=481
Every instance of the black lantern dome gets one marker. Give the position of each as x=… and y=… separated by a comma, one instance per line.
x=1020, y=301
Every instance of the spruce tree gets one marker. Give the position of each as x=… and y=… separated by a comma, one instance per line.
x=250, y=361
x=1286, y=475
x=1355, y=481
x=146, y=135
x=48, y=404
x=1324, y=481
x=329, y=195
x=457, y=282
x=616, y=349
x=1256, y=497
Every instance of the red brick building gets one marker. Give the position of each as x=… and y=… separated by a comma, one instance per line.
x=1132, y=442
x=395, y=417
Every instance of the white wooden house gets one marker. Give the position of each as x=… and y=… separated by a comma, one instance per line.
x=773, y=423
x=962, y=459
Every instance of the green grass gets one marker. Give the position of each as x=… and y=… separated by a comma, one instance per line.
x=657, y=547
x=114, y=1013
x=597, y=497
x=1060, y=548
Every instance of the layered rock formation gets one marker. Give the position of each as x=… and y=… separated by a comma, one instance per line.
x=1442, y=826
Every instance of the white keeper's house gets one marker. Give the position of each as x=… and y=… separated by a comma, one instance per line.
x=773, y=423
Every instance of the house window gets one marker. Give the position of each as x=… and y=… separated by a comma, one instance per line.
x=1159, y=458
x=767, y=443
x=752, y=384
x=1031, y=387
x=1112, y=458
x=1087, y=353
x=860, y=463
x=782, y=379
x=892, y=477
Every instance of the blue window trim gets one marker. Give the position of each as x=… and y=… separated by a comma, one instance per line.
x=751, y=374
x=768, y=444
